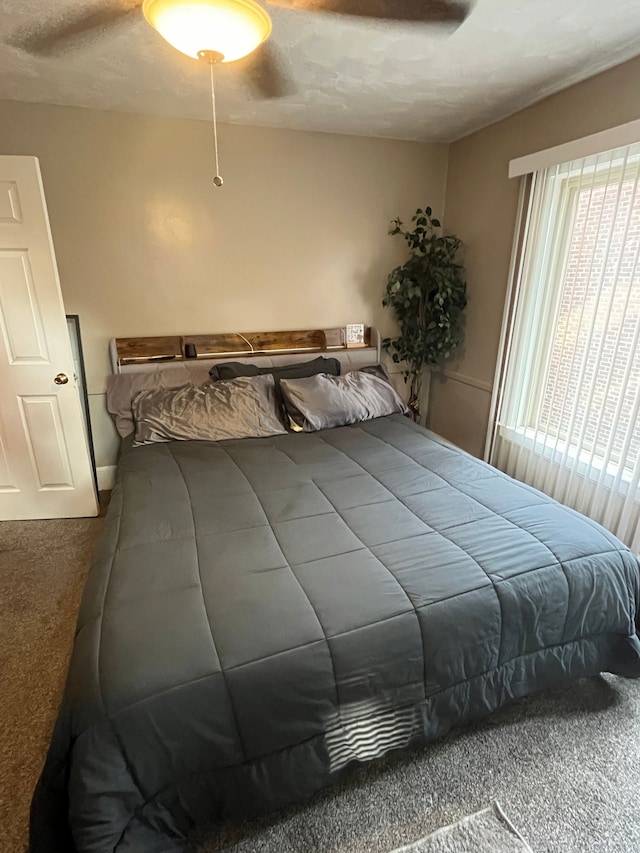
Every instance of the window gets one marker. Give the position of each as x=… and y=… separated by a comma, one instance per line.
x=568, y=420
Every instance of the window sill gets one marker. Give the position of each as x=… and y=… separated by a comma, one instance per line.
x=567, y=456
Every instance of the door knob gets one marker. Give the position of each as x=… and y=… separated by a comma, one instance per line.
x=61, y=379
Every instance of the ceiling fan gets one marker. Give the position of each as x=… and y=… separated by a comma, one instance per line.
x=222, y=31
x=263, y=68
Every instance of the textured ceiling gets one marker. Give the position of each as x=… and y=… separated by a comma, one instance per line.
x=407, y=81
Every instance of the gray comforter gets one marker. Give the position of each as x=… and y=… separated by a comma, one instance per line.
x=260, y=613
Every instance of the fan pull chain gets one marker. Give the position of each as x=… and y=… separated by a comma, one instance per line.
x=218, y=180
x=213, y=57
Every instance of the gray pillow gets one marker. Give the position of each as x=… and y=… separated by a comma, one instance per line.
x=233, y=369
x=123, y=387
x=321, y=402
x=237, y=408
x=376, y=370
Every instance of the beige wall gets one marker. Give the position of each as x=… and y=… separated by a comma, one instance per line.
x=481, y=206
x=296, y=238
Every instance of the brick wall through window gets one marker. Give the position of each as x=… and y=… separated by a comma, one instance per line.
x=592, y=377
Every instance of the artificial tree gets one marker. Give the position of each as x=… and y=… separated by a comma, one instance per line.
x=428, y=294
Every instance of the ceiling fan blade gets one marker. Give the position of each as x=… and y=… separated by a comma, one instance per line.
x=264, y=72
x=73, y=30
x=422, y=11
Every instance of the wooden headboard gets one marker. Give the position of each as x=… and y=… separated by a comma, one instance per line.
x=130, y=352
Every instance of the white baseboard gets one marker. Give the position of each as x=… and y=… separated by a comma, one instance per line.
x=106, y=477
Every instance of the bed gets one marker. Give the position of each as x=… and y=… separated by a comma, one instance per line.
x=262, y=613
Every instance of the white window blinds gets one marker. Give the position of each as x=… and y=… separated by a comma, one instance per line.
x=567, y=421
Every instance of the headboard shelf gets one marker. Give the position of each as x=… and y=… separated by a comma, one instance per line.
x=145, y=350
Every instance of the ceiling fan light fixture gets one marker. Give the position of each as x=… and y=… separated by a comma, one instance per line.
x=233, y=28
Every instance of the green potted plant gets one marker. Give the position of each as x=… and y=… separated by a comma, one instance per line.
x=428, y=295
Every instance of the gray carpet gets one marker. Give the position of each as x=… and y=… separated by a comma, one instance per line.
x=488, y=831
x=43, y=565
x=565, y=766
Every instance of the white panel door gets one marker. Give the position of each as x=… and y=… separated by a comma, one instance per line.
x=45, y=468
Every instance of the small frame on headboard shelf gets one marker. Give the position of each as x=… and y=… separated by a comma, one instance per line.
x=233, y=344
x=355, y=335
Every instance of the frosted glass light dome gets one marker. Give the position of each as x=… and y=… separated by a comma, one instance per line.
x=233, y=28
